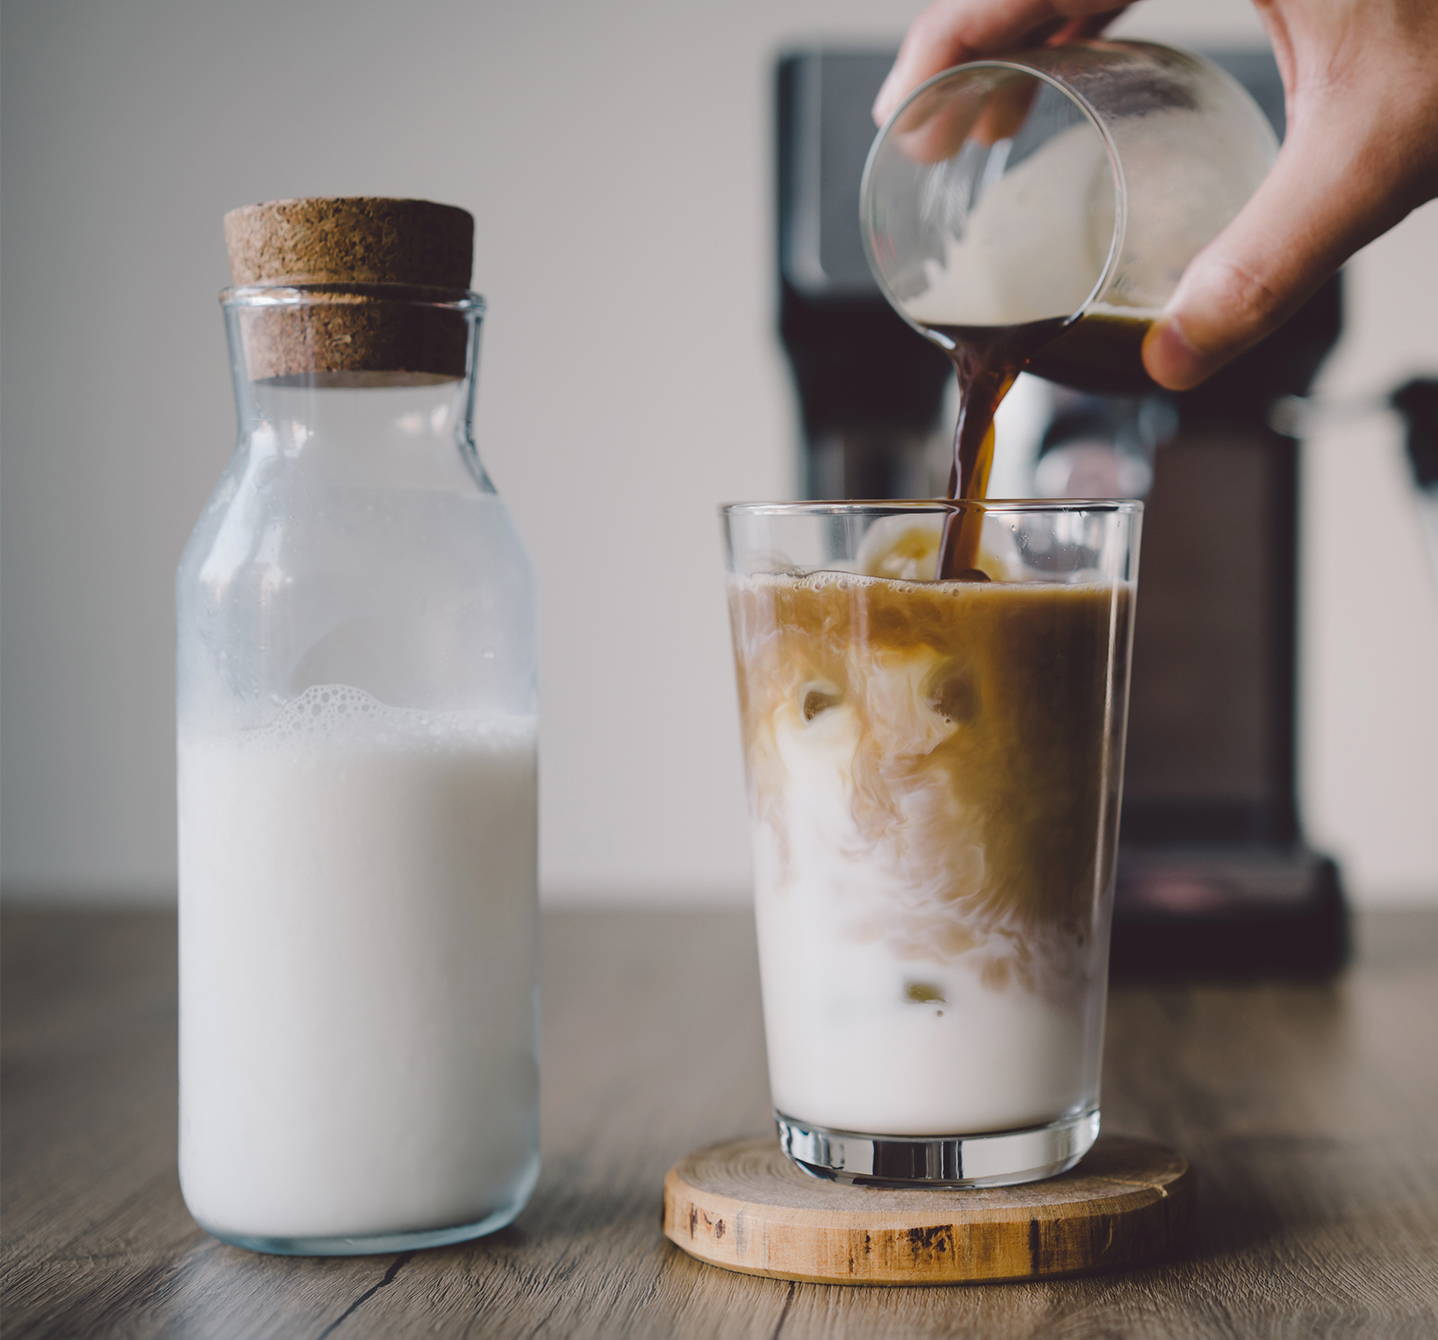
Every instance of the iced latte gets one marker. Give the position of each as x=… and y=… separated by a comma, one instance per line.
x=933, y=772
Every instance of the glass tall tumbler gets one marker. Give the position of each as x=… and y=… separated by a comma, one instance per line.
x=934, y=772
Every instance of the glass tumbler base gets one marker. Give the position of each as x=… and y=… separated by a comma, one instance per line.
x=997, y=1158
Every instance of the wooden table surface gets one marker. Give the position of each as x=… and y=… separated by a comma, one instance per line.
x=1311, y=1113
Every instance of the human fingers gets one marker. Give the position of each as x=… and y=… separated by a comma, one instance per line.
x=950, y=32
x=1318, y=205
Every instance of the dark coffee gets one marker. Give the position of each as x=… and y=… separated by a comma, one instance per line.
x=1098, y=352
x=1101, y=352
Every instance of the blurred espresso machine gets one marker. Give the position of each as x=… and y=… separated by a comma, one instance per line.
x=1214, y=874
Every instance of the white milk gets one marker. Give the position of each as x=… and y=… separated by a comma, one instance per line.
x=848, y=1050
x=357, y=942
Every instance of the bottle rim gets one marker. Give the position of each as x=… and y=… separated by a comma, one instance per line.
x=463, y=301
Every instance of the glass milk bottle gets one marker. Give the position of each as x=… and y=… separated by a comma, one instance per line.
x=356, y=729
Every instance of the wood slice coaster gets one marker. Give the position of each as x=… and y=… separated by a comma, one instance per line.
x=744, y=1206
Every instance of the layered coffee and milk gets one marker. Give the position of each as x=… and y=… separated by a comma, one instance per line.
x=933, y=774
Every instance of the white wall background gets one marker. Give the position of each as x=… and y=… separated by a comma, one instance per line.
x=617, y=159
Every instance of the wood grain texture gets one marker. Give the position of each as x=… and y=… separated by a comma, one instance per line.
x=1309, y=1111
x=742, y=1205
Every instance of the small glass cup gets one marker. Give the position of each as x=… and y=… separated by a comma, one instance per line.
x=1071, y=182
x=934, y=772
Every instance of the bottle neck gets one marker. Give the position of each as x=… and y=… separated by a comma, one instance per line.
x=295, y=419
x=321, y=371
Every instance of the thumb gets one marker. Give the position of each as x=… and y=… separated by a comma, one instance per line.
x=1310, y=214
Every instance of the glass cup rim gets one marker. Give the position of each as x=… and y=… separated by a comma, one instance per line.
x=1028, y=63
x=999, y=506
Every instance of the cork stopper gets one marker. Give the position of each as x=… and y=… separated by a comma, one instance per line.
x=419, y=254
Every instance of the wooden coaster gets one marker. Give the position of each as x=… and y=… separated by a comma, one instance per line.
x=744, y=1206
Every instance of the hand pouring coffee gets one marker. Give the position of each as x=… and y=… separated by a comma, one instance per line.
x=1035, y=214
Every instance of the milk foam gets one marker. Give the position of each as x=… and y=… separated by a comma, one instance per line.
x=1010, y=264
x=340, y=714
x=357, y=921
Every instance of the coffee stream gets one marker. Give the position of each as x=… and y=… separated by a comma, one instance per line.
x=987, y=360
x=1098, y=352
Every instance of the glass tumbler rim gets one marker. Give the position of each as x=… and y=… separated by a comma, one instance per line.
x=1001, y=506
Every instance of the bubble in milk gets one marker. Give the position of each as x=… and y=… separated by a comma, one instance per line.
x=345, y=714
